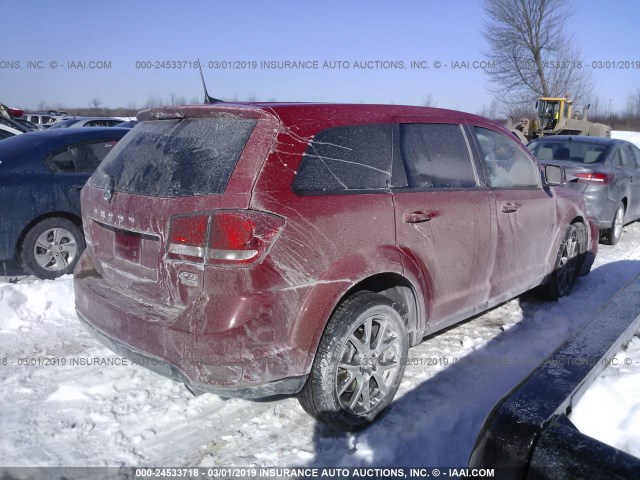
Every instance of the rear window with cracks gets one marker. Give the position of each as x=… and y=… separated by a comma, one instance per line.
x=176, y=157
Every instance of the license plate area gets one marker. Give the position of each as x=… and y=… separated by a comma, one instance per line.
x=127, y=246
x=128, y=252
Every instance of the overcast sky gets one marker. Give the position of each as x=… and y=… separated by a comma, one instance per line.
x=48, y=47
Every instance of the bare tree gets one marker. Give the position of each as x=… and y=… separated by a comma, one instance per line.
x=175, y=99
x=154, y=101
x=633, y=104
x=428, y=101
x=529, y=53
x=491, y=110
x=95, y=103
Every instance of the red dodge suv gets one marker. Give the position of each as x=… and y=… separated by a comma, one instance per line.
x=259, y=249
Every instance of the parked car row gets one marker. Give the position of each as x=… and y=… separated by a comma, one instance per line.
x=45, y=119
x=78, y=122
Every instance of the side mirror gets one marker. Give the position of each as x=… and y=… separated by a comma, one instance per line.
x=554, y=175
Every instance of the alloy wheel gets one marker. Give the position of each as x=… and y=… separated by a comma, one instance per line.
x=55, y=249
x=368, y=365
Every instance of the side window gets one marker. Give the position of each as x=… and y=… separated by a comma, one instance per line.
x=627, y=158
x=96, y=152
x=97, y=123
x=617, y=159
x=339, y=159
x=636, y=153
x=436, y=156
x=506, y=165
x=63, y=161
x=81, y=158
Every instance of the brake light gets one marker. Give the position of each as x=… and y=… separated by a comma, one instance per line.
x=188, y=236
x=226, y=237
x=593, y=177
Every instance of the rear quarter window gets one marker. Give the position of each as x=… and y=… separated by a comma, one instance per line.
x=351, y=158
x=81, y=158
x=436, y=156
x=178, y=157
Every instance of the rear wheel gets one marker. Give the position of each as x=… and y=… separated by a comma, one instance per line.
x=359, y=364
x=568, y=263
x=51, y=248
x=614, y=233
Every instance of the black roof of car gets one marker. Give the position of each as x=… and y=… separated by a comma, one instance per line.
x=578, y=138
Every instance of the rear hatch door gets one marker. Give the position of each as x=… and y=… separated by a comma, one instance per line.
x=174, y=167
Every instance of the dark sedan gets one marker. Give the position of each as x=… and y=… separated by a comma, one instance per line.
x=605, y=170
x=41, y=175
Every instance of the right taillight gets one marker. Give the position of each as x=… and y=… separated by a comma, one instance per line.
x=226, y=237
x=593, y=177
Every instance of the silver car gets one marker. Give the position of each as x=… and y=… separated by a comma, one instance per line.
x=78, y=122
x=605, y=170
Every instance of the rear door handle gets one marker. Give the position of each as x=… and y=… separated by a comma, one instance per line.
x=417, y=217
x=78, y=186
x=509, y=208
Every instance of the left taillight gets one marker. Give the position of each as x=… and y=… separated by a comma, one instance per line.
x=593, y=177
x=188, y=237
x=225, y=237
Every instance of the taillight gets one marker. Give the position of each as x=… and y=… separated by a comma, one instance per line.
x=226, y=237
x=188, y=237
x=593, y=177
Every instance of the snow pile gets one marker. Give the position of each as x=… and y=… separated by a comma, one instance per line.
x=633, y=137
x=610, y=409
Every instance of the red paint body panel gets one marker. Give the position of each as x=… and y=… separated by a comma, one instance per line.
x=241, y=329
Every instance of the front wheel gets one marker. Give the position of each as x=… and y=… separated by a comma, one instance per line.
x=359, y=364
x=568, y=263
x=51, y=248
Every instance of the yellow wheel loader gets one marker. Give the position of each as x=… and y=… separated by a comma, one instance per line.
x=555, y=118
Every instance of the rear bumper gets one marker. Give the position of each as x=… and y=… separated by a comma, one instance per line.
x=599, y=206
x=166, y=369
x=252, y=360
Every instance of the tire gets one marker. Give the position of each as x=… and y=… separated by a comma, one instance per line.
x=614, y=233
x=585, y=262
x=51, y=248
x=568, y=263
x=351, y=383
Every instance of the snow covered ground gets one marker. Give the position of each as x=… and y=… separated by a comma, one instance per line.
x=632, y=137
x=62, y=405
